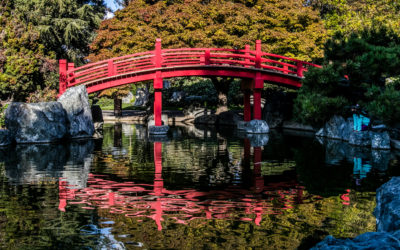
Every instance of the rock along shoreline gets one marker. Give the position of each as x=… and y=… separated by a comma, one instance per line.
x=387, y=213
x=47, y=122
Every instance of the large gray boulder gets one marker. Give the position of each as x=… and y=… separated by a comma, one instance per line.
x=336, y=128
x=387, y=211
x=75, y=101
x=36, y=122
x=256, y=127
x=380, y=140
x=5, y=137
x=373, y=240
x=360, y=138
x=141, y=97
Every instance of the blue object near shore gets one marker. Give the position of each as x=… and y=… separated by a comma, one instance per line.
x=361, y=122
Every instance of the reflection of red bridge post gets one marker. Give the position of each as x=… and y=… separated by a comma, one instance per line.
x=258, y=178
x=158, y=184
x=158, y=180
x=62, y=194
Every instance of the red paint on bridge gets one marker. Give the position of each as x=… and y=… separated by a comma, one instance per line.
x=161, y=63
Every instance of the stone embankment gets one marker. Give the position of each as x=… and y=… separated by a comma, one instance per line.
x=342, y=129
x=387, y=213
x=68, y=118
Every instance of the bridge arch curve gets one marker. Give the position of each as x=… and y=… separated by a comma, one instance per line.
x=255, y=65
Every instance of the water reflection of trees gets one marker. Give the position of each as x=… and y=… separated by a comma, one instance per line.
x=29, y=195
x=235, y=200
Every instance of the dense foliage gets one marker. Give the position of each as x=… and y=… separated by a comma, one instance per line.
x=285, y=27
x=34, y=34
x=368, y=59
x=349, y=16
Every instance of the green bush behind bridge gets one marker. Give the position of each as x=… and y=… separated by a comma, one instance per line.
x=370, y=59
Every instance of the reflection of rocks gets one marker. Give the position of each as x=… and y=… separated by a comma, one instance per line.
x=31, y=163
x=380, y=159
x=258, y=140
x=5, y=137
x=36, y=122
x=337, y=151
x=360, y=138
x=158, y=130
x=77, y=169
x=158, y=138
x=40, y=162
x=339, y=128
x=75, y=101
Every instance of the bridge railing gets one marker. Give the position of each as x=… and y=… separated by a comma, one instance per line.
x=102, y=71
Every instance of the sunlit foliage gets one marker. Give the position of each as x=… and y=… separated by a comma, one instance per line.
x=285, y=27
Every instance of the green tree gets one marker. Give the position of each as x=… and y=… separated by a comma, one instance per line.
x=349, y=16
x=368, y=59
x=37, y=32
x=285, y=27
x=65, y=27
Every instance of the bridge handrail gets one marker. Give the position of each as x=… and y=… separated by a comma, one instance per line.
x=165, y=58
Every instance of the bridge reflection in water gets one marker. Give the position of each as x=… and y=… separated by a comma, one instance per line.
x=142, y=201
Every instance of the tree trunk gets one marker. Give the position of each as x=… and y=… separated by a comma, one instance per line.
x=117, y=106
x=221, y=85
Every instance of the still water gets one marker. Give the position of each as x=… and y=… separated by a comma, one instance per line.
x=198, y=188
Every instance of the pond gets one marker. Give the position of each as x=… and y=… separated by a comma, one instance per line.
x=196, y=188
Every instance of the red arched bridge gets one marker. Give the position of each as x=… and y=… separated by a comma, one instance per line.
x=255, y=66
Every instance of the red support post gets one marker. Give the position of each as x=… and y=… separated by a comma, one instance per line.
x=158, y=84
x=207, y=56
x=258, y=54
x=157, y=107
x=247, y=55
x=71, y=75
x=258, y=84
x=300, y=69
x=63, y=67
x=158, y=53
x=285, y=69
x=257, y=104
x=247, y=106
x=110, y=68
